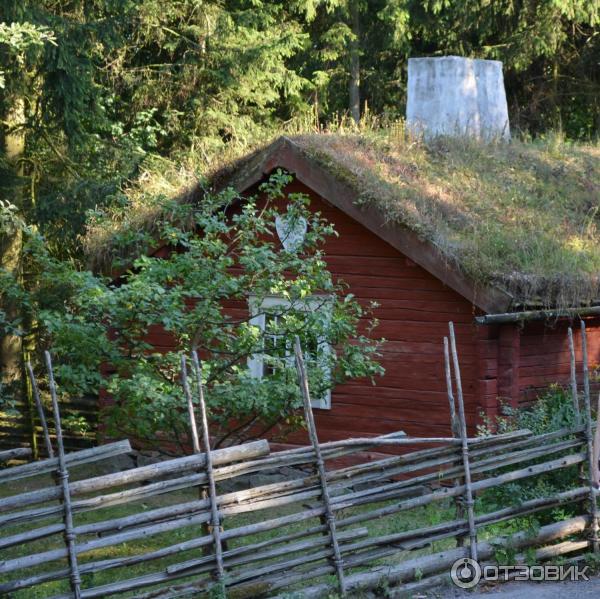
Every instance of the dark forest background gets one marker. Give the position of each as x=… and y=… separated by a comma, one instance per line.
x=91, y=88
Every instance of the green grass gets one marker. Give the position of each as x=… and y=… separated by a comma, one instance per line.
x=523, y=216
x=404, y=521
x=398, y=523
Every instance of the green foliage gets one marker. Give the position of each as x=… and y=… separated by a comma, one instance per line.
x=535, y=41
x=99, y=96
x=223, y=253
x=217, y=591
x=20, y=40
x=99, y=86
x=593, y=561
x=552, y=411
x=548, y=50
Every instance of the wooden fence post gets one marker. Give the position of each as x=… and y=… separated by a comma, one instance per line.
x=215, y=528
x=40, y=409
x=190, y=405
x=459, y=505
x=453, y=421
x=202, y=490
x=464, y=445
x=592, y=467
x=63, y=477
x=574, y=393
x=312, y=433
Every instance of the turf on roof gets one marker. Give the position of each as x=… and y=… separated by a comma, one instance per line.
x=523, y=216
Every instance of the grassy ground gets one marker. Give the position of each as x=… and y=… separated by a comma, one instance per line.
x=398, y=523
x=416, y=518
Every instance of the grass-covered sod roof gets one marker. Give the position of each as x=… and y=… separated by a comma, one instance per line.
x=522, y=216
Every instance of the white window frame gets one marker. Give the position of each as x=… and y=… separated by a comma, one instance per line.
x=257, y=311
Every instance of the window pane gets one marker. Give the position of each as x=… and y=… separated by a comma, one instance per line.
x=275, y=346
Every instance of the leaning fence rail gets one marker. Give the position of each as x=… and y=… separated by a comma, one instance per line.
x=62, y=479
x=329, y=518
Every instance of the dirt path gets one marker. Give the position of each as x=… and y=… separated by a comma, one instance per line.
x=531, y=590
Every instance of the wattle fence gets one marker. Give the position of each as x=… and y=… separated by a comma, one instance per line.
x=246, y=522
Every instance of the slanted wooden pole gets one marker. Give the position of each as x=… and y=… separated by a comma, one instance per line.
x=312, y=433
x=453, y=421
x=202, y=492
x=459, y=506
x=63, y=476
x=465, y=446
x=215, y=528
x=596, y=448
x=40, y=409
x=190, y=406
x=592, y=467
x=574, y=393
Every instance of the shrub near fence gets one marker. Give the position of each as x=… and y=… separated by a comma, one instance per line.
x=249, y=536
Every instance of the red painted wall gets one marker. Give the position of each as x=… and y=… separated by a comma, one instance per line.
x=414, y=310
x=525, y=359
x=413, y=315
x=544, y=356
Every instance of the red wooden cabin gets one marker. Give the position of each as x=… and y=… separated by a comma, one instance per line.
x=418, y=292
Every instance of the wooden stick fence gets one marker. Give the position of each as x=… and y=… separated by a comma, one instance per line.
x=215, y=524
x=323, y=521
x=202, y=494
x=592, y=468
x=121, y=524
x=386, y=491
x=455, y=426
x=574, y=392
x=63, y=479
x=40, y=410
x=462, y=428
x=312, y=433
x=441, y=562
x=18, y=453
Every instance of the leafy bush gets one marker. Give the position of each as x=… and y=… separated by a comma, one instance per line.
x=224, y=254
x=551, y=411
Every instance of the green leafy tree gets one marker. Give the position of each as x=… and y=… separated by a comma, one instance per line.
x=92, y=89
x=550, y=50
x=94, y=93
x=206, y=73
x=225, y=254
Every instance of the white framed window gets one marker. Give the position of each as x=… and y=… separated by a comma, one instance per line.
x=277, y=349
